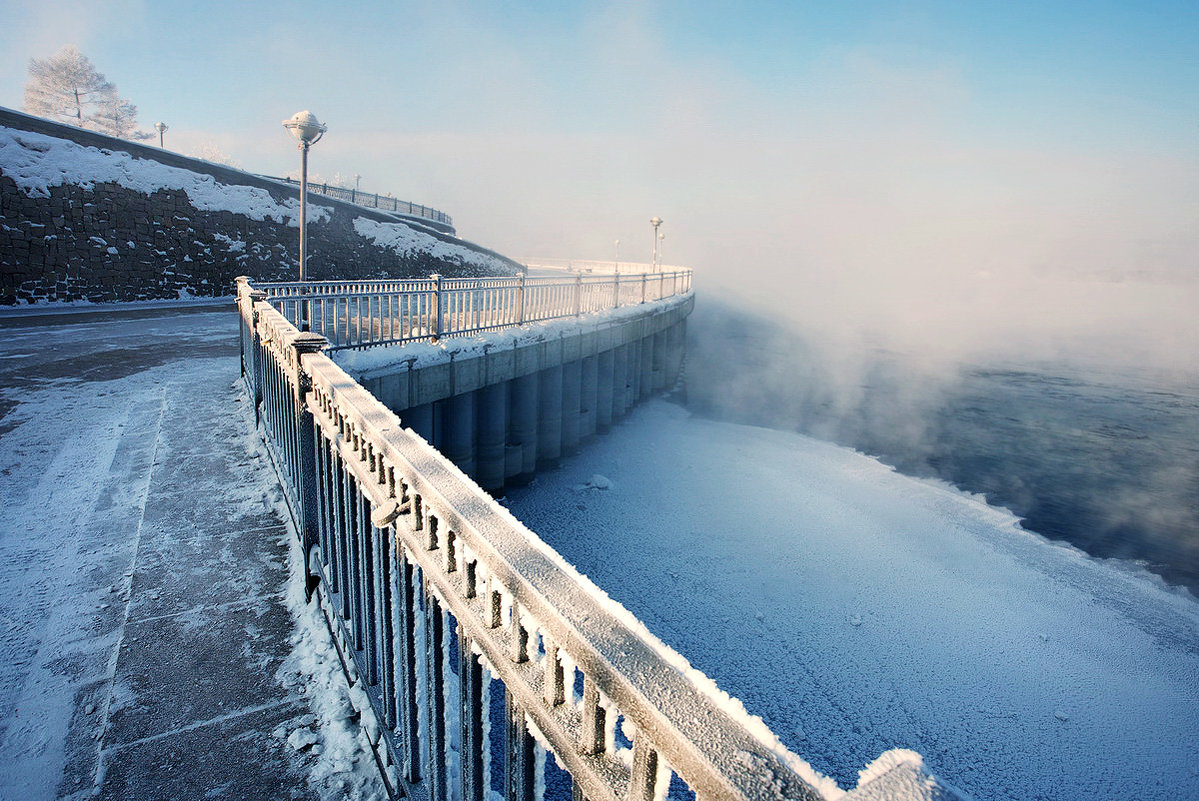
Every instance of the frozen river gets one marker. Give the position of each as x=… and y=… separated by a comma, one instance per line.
x=856, y=609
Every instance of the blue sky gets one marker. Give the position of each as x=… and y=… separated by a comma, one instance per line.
x=853, y=150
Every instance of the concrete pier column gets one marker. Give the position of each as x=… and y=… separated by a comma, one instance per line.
x=514, y=457
x=522, y=422
x=588, y=393
x=634, y=372
x=492, y=425
x=603, y=390
x=660, y=373
x=549, y=421
x=420, y=420
x=620, y=378
x=678, y=348
x=459, y=437
x=571, y=391
x=647, y=367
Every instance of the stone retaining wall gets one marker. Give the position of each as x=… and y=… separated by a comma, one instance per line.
x=110, y=242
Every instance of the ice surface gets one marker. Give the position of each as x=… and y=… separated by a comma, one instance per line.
x=858, y=610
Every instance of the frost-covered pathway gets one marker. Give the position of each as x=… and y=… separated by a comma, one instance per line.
x=146, y=633
x=856, y=610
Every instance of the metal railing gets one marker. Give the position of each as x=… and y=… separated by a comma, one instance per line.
x=372, y=201
x=358, y=314
x=442, y=599
x=442, y=604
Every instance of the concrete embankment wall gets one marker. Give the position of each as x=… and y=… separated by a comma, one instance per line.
x=500, y=413
x=85, y=216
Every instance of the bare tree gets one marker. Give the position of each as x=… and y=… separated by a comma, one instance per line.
x=67, y=88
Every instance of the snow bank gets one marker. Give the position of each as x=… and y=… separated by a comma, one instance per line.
x=411, y=243
x=37, y=162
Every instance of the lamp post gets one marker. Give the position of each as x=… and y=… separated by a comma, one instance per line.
x=161, y=127
x=304, y=126
x=655, y=222
x=618, y=257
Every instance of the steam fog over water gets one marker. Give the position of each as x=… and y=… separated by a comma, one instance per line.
x=1102, y=453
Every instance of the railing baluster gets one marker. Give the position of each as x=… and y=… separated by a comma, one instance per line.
x=520, y=782
x=473, y=753
x=435, y=698
x=407, y=703
x=645, y=770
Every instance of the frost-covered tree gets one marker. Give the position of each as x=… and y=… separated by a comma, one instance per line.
x=67, y=88
x=210, y=152
x=119, y=119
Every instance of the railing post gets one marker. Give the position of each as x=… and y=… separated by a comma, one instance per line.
x=306, y=433
x=520, y=300
x=257, y=376
x=438, y=307
x=644, y=279
x=578, y=294
x=616, y=292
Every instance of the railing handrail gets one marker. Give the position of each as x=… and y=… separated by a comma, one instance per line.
x=372, y=200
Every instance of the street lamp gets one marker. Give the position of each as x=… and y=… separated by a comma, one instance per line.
x=304, y=126
x=618, y=257
x=161, y=127
x=655, y=222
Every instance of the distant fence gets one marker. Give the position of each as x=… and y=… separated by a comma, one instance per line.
x=373, y=201
x=357, y=314
x=595, y=266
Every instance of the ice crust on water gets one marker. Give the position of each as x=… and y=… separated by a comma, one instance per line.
x=37, y=162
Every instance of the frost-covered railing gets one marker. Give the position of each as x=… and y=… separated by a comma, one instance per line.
x=373, y=201
x=356, y=314
x=479, y=649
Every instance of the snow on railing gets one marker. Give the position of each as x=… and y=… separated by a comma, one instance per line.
x=358, y=314
x=372, y=201
x=440, y=599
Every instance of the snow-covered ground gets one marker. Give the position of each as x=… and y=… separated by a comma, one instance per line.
x=152, y=640
x=856, y=610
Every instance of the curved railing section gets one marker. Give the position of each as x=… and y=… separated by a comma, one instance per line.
x=445, y=603
x=372, y=201
x=359, y=314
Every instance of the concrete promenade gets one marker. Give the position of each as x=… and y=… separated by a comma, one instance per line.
x=145, y=638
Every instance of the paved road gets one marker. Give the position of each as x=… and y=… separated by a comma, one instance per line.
x=146, y=645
